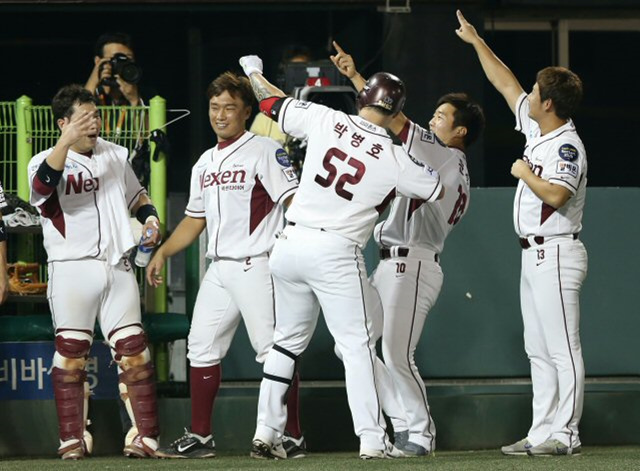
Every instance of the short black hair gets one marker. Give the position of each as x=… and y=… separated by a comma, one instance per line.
x=68, y=96
x=116, y=38
x=468, y=114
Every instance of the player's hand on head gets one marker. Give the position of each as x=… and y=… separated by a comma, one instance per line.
x=520, y=168
x=251, y=65
x=467, y=31
x=154, y=270
x=80, y=125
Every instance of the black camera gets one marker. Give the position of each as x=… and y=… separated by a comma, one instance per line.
x=125, y=68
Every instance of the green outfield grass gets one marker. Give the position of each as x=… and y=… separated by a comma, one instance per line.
x=592, y=458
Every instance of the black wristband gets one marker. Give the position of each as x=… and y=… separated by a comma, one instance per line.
x=145, y=211
x=47, y=175
x=3, y=231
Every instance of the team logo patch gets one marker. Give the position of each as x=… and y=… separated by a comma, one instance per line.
x=568, y=152
x=427, y=136
x=290, y=174
x=283, y=158
x=568, y=168
x=303, y=104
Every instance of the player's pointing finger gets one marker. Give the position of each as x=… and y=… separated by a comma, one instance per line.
x=337, y=47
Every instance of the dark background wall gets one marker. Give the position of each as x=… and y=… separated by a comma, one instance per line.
x=182, y=46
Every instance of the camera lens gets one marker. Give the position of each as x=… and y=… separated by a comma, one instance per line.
x=130, y=72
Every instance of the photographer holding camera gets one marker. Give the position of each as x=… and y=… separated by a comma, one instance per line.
x=115, y=74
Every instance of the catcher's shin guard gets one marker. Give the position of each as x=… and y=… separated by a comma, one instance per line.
x=141, y=394
x=70, y=397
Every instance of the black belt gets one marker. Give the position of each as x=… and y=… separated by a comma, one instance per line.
x=402, y=252
x=525, y=244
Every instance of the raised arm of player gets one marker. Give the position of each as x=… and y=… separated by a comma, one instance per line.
x=187, y=231
x=347, y=67
x=496, y=71
x=72, y=130
x=262, y=88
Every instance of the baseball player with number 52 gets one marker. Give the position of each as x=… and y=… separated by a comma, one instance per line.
x=547, y=215
x=352, y=169
x=411, y=239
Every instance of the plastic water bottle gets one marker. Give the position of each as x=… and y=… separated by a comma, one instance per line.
x=143, y=257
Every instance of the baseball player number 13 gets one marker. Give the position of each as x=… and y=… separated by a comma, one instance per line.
x=344, y=178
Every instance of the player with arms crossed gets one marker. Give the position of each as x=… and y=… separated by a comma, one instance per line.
x=238, y=189
x=547, y=216
x=85, y=190
x=351, y=170
x=411, y=239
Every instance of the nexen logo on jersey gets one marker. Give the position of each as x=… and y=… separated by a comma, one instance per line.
x=536, y=169
x=223, y=178
x=81, y=184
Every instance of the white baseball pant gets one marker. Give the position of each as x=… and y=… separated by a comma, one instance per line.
x=80, y=291
x=312, y=267
x=551, y=278
x=408, y=287
x=232, y=290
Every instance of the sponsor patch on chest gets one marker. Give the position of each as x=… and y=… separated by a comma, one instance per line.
x=568, y=168
x=303, y=104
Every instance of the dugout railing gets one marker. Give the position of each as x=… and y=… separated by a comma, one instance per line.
x=27, y=129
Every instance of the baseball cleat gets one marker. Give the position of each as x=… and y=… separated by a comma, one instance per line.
x=294, y=447
x=413, y=449
x=141, y=447
x=189, y=445
x=391, y=452
x=400, y=438
x=73, y=449
x=553, y=447
x=518, y=448
x=263, y=451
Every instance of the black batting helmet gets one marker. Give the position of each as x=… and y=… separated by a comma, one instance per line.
x=384, y=91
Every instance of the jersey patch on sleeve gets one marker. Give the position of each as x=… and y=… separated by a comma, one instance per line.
x=282, y=158
x=568, y=152
x=568, y=168
x=303, y=104
x=290, y=174
x=427, y=136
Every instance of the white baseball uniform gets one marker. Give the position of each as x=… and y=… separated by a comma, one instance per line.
x=239, y=187
x=3, y=202
x=554, y=265
x=409, y=277
x=87, y=233
x=351, y=168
